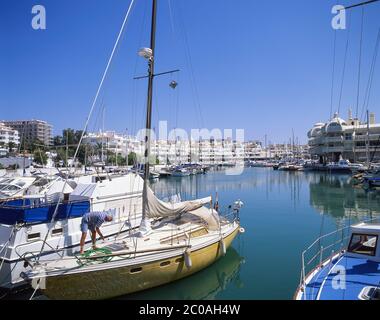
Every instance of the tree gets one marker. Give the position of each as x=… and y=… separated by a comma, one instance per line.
x=57, y=141
x=31, y=146
x=11, y=146
x=40, y=157
x=69, y=142
x=82, y=153
x=132, y=158
x=119, y=160
x=60, y=158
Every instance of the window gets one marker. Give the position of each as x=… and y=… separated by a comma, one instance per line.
x=136, y=270
x=370, y=293
x=57, y=232
x=34, y=236
x=363, y=244
x=348, y=136
x=165, y=264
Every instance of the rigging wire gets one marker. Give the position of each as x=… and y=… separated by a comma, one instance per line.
x=333, y=76
x=116, y=45
x=371, y=75
x=344, y=67
x=360, y=64
x=189, y=63
x=135, y=87
x=88, y=119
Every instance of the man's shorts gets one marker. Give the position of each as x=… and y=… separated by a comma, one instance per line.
x=84, y=226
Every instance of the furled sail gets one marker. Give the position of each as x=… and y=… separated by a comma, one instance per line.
x=210, y=216
x=159, y=209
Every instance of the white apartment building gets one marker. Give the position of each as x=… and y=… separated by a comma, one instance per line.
x=8, y=135
x=208, y=152
x=111, y=141
x=32, y=130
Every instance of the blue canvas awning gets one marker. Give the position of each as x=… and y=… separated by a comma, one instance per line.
x=20, y=211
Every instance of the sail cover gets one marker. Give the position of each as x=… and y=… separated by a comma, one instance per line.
x=159, y=209
x=210, y=216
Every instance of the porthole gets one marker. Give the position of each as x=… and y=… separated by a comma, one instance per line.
x=136, y=270
x=178, y=260
x=164, y=264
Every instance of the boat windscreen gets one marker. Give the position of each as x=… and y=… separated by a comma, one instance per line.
x=363, y=244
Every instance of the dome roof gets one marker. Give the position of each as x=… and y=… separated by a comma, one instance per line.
x=336, y=124
x=314, y=132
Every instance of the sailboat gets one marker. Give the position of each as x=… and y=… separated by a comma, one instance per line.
x=174, y=240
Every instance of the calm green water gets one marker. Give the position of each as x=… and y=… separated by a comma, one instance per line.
x=283, y=213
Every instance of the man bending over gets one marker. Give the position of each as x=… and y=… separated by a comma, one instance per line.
x=92, y=221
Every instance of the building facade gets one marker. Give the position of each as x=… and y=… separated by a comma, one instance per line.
x=208, y=151
x=31, y=131
x=351, y=140
x=8, y=135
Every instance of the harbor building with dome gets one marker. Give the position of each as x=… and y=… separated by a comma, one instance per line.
x=352, y=140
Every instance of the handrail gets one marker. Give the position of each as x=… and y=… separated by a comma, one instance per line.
x=43, y=205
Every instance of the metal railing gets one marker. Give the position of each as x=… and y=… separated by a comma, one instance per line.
x=323, y=249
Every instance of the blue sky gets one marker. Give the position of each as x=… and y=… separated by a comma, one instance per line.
x=262, y=66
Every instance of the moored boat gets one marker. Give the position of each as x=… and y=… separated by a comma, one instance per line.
x=188, y=239
x=351, y=272
x=174, y=240
x=52, y=221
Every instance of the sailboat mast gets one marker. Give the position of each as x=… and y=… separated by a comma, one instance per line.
x=367, y=141
x=149, y=107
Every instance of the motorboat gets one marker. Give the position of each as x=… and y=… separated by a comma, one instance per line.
x=27, y=224
x=351, y=270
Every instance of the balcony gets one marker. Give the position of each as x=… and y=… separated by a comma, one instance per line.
x=333, y=139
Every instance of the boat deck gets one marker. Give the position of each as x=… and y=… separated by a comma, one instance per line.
x=360, y=273
x=169, y=235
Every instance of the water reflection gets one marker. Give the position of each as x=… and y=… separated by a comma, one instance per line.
x=334, y=195
x=204, y=285
x=251, y=179
x=296, y=207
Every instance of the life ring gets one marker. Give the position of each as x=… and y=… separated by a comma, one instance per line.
x=241, y=230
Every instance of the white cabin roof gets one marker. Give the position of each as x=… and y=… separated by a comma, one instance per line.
x=366, y=227
x=116, y=187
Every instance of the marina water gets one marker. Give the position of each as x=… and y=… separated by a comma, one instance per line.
x=283, y=213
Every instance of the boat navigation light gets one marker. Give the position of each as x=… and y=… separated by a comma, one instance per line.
x=146, y=53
